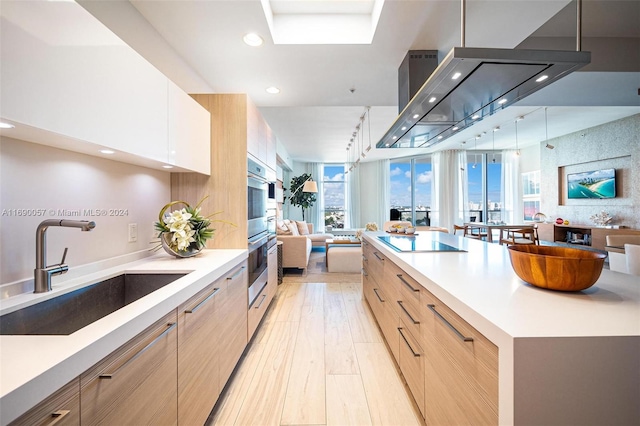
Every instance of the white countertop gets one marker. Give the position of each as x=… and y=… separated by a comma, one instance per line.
x=33, y=367
x=481, y=286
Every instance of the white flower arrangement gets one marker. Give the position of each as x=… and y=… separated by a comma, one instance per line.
x=371, y=226
x=184, y=231
x=602, y=218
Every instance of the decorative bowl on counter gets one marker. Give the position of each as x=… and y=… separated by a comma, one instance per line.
x=410, y=230
x=556, y=268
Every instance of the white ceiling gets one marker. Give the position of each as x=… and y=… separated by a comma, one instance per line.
x=325, y=88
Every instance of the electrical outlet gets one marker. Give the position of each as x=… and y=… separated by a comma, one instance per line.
x=133, y=232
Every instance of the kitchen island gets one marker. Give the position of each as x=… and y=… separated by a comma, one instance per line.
x=34, y=366
x=563, y=358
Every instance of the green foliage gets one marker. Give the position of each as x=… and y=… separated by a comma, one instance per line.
x=301, y=199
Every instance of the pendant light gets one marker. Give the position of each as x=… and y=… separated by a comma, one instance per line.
x=493, y=139
x=517, y=149
x=546, y=131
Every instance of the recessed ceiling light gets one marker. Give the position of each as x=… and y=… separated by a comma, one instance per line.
x=475, y=117
x=166, y=166
x=432, y=99
x=253, y=39
x=542, y=78
x=403, y=128
x=455, y=128
x=386, y=144
x=6, y=125
x=502, y=101
x=455, y=76
x=273, y=90
x=440, y=137
x=107, y=151
x=416, y=115
x=394, y=138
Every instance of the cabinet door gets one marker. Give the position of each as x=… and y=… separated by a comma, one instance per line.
x=136, y=384
x=232, y=320
x=62, y=408
x=198, y=386
x=461, y=369
x=257, y=311
x=411, y=362
x=272, y=263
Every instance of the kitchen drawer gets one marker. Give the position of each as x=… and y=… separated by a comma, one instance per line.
x=412, y=318
x=257, y=311
x=62, y=408
x=409, y=288
x=136, y=384
x=469, y=359
x=411, y=362
x=374, y=259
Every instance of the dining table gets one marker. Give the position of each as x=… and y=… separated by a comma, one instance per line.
x=502, y=227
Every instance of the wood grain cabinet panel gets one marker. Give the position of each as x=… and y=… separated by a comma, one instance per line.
x=136, y=384
x=198, y=384
x=411, y=362
x=257, y=311
x=231, y=320
x=461, y=369
x=62, y=408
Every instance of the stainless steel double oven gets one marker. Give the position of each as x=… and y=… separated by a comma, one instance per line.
x=261, y=219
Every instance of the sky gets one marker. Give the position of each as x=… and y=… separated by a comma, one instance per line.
x=333, y=192
x=400, y=173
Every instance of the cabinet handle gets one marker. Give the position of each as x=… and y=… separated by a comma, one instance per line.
x=375, y=253
x=236, y=274
x=264, y=296
x=408, y=344
x=407, y=284
x=448, y=324
x=375, y=290
x=407, y=312
x=199, y=305
x=364, y=258
x=364, y=272
x=170, y=326
x=56, y=416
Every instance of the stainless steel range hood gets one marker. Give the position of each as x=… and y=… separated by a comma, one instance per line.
x=471, y=84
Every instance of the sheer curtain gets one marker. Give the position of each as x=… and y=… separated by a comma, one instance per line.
x=316, y=212
x=511, y=191
x=384, y=193
x=448, y=188
x=352, y=199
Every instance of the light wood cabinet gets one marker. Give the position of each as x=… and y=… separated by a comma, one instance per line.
x=236, y=124
x=461, y=369
x=61, y=409
x=257, y=311
x=596, y=237
x=136, y=384
x=272, y=264
x=198, y=357
x=449, y=367
x=231, y=320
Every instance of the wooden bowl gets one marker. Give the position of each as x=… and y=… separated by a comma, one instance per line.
x=556, y=268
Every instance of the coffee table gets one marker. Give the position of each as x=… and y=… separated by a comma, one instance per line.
x=335, y=241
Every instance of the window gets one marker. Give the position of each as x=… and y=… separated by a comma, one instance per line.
x=334, y=189
x=410, y=185
x=531, y=194
x=484, y=176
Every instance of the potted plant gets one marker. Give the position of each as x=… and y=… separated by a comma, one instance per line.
x=298, y=197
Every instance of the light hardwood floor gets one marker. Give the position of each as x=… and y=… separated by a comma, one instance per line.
x=318, y=358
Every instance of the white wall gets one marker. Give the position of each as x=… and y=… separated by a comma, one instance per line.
x=39, y=177
x=612, y=145
x=370, y=196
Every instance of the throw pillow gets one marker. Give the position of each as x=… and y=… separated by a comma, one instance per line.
x=303, y=228
x=293, y=228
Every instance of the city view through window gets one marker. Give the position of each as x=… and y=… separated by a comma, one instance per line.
x=333, y=189
x=401, y=188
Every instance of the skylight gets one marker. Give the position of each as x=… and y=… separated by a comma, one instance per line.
x=322, y=21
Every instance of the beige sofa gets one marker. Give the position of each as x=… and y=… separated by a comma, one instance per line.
x=296, y=248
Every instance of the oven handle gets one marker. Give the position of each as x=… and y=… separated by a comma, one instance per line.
x=253, y=243
x=257, y=177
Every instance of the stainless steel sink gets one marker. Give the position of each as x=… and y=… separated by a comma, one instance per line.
x=70, y=312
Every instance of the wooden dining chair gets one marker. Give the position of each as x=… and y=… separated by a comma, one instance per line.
x=457, y=228
x=521, y=236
